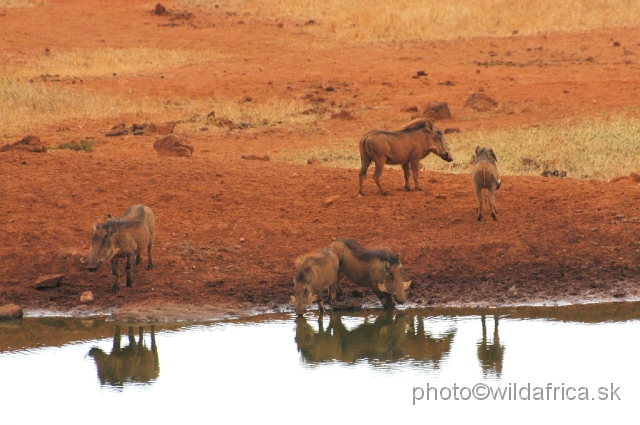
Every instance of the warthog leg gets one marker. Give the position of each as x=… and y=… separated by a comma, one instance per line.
x=138, y=259
x=405, y=170
x=492, y=202
x=415, y=168
x=130, y=261
x=479, y=196
x=114, y=272
x=376, y=177
x=149, y=260
x=366, y=161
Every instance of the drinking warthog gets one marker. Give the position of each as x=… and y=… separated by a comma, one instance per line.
x=124, y=237
x=380, y=269
x=405, y=147
x=315, y=273
x=484, y=175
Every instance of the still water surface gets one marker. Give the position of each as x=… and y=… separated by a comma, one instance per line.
x=366, y=366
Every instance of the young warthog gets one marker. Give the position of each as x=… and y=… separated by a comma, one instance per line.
x=484, y=175
x=314, y=273
x=380, y=269
x=124, y=237
x=405, y=147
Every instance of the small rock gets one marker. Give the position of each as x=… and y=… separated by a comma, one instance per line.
x=330, y=200
x=451, y=130
x=410, y=109
x=437, y=111
x=86, y=297
x=330, y=88
x=10, y=311
x=421, y=73
x=160, y=9
x=256, y=158
x=247, y=99
x=313, y=161
x=117, y=130
x=480, y=102
x=172, y=145
x=342, y=115
x=49, y=281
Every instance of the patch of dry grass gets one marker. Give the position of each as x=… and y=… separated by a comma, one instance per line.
x=600, y=148
x=28, y=106
x=371, y=20
x=20, y=3
x=106, y=62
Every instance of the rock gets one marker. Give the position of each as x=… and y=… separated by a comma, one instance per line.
x=410, y=109
x=421, y=73
x=553, y=173
x=117, y=130
x=49, y=281
x=480, y=102
x=172, y=145
x=86, y=297
x=530, y=163
x=160, y=10
x=28, y=143
x=342, y=115
x=10, y=311
x=330, y=200
x=437, y=111
x=635, y=177
x=256, y=158
x=313, y=161
x=451, y=130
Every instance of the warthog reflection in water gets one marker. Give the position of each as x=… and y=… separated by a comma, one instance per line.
x=133, y=363
x=391, y=337
x=490, y=354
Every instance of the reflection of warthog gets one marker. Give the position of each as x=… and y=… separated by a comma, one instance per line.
x=125, y=237
x=133, y=363
x=315, y=273
x=405, y=147
x=484, y=175
x=490, y=355
x=380, y=269
x=387, y=339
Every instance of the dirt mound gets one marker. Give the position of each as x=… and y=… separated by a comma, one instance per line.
x=27, y=144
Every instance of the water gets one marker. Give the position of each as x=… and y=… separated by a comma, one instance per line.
x=370, y=366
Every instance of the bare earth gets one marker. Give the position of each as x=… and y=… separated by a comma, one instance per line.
x=229, y=229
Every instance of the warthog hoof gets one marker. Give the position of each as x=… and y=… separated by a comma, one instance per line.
x=385, y=193
x=493, y=216
x=480, y=217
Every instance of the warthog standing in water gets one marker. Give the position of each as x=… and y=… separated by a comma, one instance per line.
x=380, y=269
x=405, y=147
x=315, y=273
x=124, y=237
x=484, y=175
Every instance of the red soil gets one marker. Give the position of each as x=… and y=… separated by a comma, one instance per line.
x=229, y=229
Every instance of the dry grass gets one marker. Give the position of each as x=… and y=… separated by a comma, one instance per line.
x=20, y=3
x=105, y=62
x=28, y=106
x=370, y=20
x=595, y=148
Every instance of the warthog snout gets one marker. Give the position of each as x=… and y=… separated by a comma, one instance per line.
x=94, y=265
x=447, y=157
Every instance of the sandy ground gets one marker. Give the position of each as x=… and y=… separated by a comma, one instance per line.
x=229, y=229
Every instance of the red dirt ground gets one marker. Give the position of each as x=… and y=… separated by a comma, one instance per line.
x=228, y=229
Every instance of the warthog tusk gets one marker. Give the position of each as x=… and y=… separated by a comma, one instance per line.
x=382, y=288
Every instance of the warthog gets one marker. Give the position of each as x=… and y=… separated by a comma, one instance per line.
x=484, y=175
x=124, y=237
x=405, y=147
x=315, y=273
x=380, y=269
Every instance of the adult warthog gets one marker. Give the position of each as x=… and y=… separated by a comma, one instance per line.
x=405, y=147
x=484, y=174
x=314, y=273
x=123, y=237
x=380, y=269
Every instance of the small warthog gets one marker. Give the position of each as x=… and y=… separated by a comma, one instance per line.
x=484, y=175
x=379, y=269
x=124, y=237
x=315, y=273
x=405, y=147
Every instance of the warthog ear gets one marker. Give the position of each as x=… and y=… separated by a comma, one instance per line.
x=293, y=299
x=478, y=149
x=493, y=155
x=382, y=288
x=96, y=226
x=406, y=285
x=111, y=230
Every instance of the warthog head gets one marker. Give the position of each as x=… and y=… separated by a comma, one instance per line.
x=102, y=246
x=437, y=138
x=390, y=280
x=302, y=296
x=485, y=153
